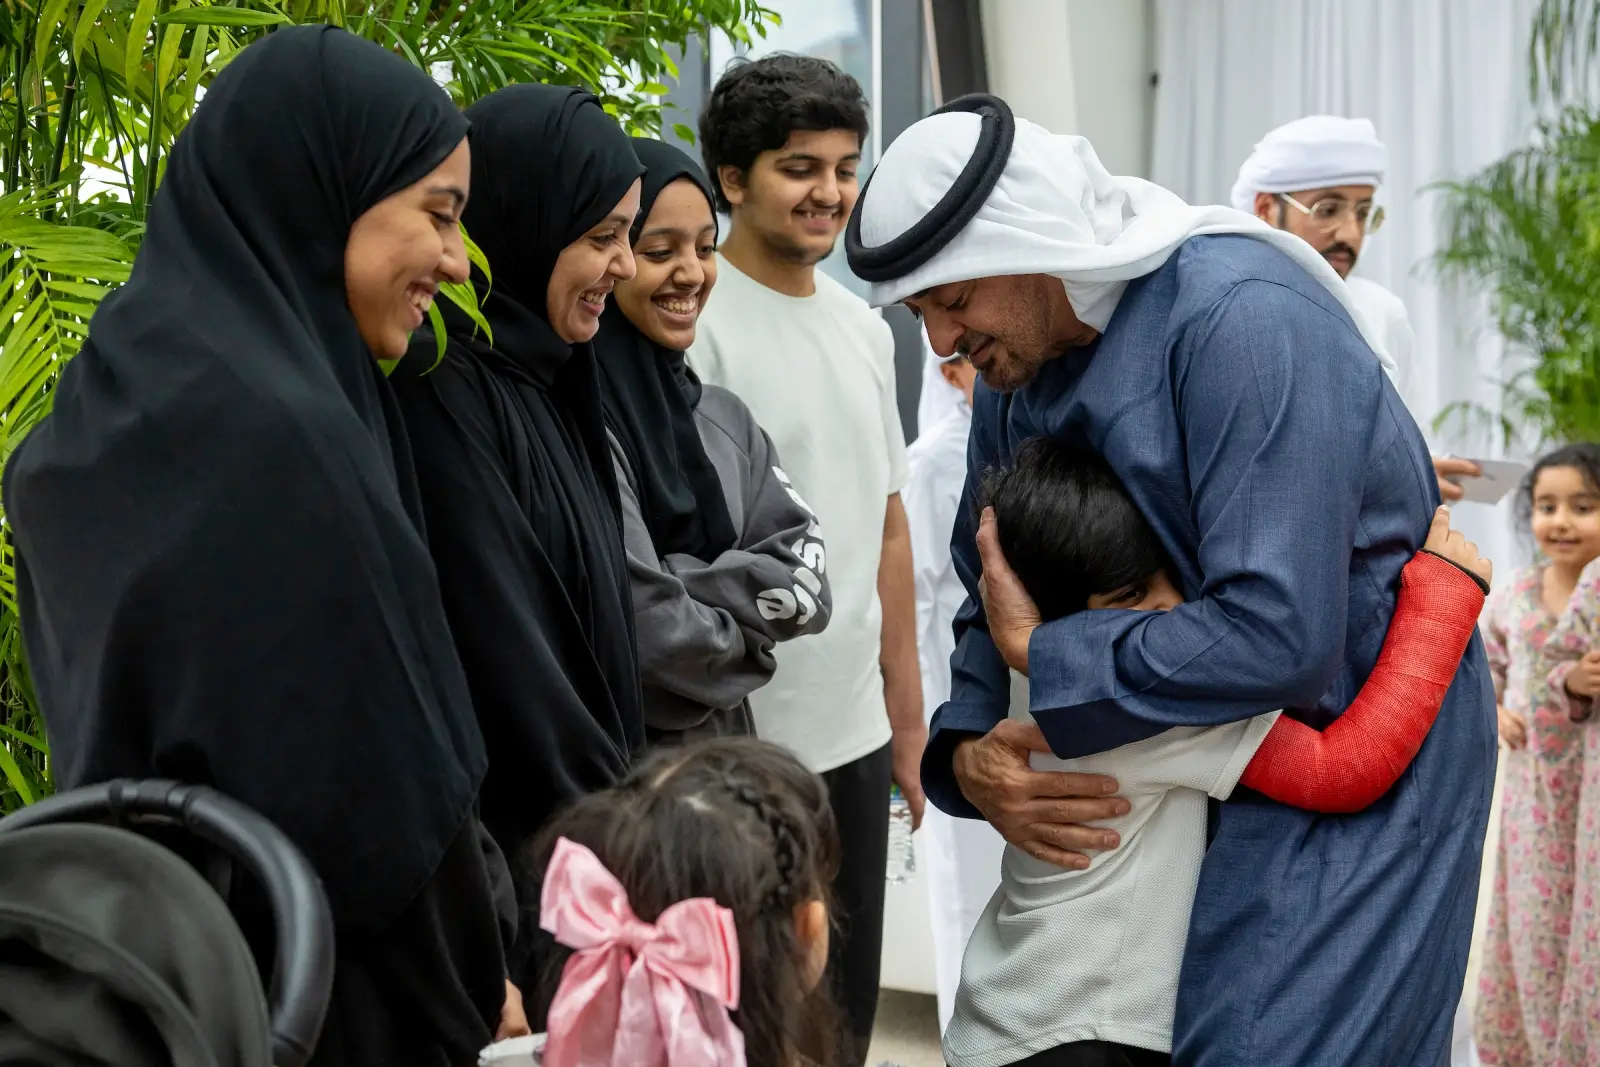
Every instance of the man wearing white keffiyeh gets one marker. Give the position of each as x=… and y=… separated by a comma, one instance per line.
x=1222, y=369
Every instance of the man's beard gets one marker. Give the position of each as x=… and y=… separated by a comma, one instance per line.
x=798, y=254
x=1003, y=374
x=1009, y=376
x=1337, y=247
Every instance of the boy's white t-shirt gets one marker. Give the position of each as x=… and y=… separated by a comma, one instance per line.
x=818, y=374
x=1093, y=955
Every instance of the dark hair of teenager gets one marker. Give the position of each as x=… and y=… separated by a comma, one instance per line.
x=1067, y=527
x=758, y=103
x=740, y=821
x=1584, y=456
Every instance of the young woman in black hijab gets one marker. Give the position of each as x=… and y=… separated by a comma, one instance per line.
x=512, y=459
x=221, y=562
x=724, y=558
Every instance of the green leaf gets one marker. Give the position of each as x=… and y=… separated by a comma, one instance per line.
x=653, y=88
x=197, y=60
x=22, y=738
x=138, y=30
x=72, y=288
x=242, y=18
x=87, y=18
x=441, y=339
x=171, y=43
x=685, y=132
x=15, y=777
x=465, y=297
x=45, y=31
x=476, y=257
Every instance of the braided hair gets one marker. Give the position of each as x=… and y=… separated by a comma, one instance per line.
x=740, y=821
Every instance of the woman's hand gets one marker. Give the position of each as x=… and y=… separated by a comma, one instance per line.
x=1513, y=727
x=1452, y=545
x=513, y=1020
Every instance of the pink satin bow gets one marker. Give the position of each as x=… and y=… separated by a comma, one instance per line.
x=637, y=994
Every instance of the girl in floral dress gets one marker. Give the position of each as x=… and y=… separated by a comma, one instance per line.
x=1538, y=996
x=1574, y=649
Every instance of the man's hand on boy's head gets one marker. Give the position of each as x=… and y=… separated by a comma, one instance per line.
x=1011, y=612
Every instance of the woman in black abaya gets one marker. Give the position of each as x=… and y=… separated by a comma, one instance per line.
x=512, y=460
x=222, y=568
x=724, y=558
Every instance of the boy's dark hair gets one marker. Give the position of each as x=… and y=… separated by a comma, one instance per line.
x=757, y=103
x=740, y=821
x=1584, y=456
x=1067, y=526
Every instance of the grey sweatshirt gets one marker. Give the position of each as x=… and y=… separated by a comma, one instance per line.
x=706, y=629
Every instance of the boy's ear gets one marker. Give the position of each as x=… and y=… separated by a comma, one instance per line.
x=731, y=181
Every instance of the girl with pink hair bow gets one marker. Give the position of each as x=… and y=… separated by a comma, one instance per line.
x=690, y=906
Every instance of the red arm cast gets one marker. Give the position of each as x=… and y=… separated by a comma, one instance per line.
x=1362, y=754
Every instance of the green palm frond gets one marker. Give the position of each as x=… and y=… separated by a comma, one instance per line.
x=1528, y=226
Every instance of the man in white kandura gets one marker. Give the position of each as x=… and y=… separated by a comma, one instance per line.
x=962, y=856
x=1316, y=178
x=940, y=396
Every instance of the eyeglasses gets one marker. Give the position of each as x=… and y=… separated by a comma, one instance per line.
x=1330, y=214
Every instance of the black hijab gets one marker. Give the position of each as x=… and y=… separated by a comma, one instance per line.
x=222, y=568
x=547, y=165
x=650, y=393
x=516, y=474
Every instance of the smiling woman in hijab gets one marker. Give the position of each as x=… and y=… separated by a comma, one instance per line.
x=512, y=460
x=221, y=562
x=724, y=557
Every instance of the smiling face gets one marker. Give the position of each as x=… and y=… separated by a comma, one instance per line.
x=796, y=199
x=1008, y=327
x=1566, y=516
x=399, y=251
x=588, y=268
x=676, y=258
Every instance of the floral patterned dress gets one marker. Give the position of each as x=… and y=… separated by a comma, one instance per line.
x=1578, y=632
x=1523, y=996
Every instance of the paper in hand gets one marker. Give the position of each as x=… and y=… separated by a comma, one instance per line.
x=1500, y=476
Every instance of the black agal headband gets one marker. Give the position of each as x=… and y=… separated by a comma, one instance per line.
x=924, y=240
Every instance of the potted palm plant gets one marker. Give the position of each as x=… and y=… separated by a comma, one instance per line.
x=92, y=94
x=1528, y=229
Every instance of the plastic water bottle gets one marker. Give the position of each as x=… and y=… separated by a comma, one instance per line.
x=902, y=854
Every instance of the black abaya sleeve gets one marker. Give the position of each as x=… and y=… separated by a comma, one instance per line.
x=543, y=705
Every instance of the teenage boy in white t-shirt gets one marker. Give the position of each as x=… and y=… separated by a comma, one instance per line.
x=782, y=140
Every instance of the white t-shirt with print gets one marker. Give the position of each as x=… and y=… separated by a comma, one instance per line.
x=1093, y=955
x=818, y=373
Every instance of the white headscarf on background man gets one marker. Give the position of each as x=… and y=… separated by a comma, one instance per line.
x=1055, y=210
x=938, y=399
x=1316, y=152
x=1321, y=152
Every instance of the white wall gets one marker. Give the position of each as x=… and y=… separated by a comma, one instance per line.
x=1027, y=45
x=1078, y=66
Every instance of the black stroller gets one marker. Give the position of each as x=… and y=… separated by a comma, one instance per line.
x=115, y=950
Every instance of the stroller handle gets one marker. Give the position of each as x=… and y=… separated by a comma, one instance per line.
x=302, y=979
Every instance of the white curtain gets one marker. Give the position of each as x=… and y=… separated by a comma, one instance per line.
x=1445, y=82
